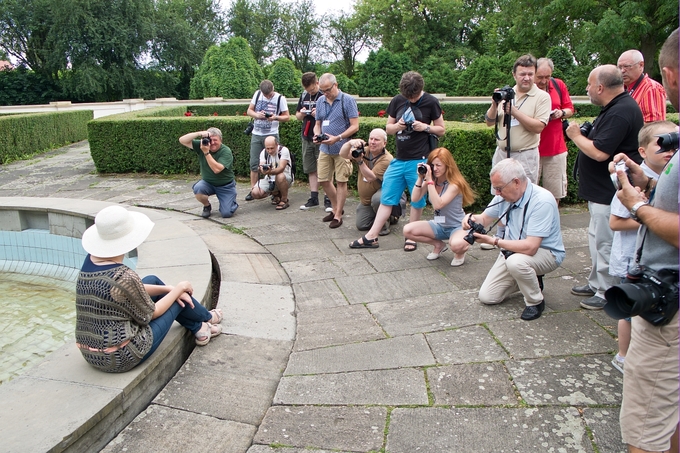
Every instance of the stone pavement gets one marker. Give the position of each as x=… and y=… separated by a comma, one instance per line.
x=326, y=348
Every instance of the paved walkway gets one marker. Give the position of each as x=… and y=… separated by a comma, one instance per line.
x=332, y=349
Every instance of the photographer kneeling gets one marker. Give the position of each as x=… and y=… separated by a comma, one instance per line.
x=275, y=164
x=532, y=244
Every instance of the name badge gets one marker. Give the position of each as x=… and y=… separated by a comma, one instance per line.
x=439, y=219
x=514, y=122
x=326, y=123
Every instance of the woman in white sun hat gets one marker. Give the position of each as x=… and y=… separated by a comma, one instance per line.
x=120, y=318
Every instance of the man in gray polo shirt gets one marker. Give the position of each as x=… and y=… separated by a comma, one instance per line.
x=337, y=119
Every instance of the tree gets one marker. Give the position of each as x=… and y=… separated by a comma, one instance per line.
x=486, y=74
x=439, y=76
x=381, y=73
x=348, y=36
x=257, y=21
x=228, y=70
x=286, y=78
x=298, y=32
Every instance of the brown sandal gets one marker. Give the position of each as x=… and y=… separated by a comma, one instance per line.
x=282, y=205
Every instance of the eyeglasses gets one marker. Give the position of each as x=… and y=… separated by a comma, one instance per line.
x=326, y=90
x=626, y=66
x=500, y=189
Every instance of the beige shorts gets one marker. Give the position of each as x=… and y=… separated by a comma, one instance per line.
x=553, y=170
x=649, y=411
x=329, y=164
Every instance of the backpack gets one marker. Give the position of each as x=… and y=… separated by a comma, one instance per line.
x=293, y=168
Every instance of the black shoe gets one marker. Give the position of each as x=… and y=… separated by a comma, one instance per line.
x=540, y=281
x=312, y=202
x=533, y=311
x=584, y=290
x=326, y=202
x=249, y=197
x=206, y=211
x=593, y=303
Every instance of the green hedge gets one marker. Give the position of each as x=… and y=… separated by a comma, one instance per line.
x=22, y=135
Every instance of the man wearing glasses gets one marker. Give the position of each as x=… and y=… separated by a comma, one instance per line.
x=615, y=130
x=531, y=246
x=648, y=93
x=337, y=119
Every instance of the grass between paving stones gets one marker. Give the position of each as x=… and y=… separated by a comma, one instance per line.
x=430, y=394
x=495, y=338
x=589, y=433
x=163, y=192
x=387, y=335
x=233, y=229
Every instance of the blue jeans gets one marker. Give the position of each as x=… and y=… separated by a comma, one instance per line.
x=189, y=318
x=226, y=195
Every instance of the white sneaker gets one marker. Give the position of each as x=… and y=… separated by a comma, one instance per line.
x=618, y=361
x=486, y=246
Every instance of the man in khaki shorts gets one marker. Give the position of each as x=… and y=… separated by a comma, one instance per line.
x=552, y=148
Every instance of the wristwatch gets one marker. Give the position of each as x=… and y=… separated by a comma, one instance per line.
x=634, y=210
x=427, y=129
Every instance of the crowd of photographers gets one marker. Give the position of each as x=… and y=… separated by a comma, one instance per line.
x=627, y=173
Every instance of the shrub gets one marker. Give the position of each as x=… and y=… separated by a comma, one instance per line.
x=25, y=134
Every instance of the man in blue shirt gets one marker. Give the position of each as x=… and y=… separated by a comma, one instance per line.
x=337, y=118
x=531, y=246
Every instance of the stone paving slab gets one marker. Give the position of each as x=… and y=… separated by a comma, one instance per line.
x=576, y=381
x=259, y=311
x=221, y=241
x=468, y=344
x=611, y=325
x=394, y=286
x=604, y=424
x=373, y=355
x=321, y=269
x=471, y=384
x=268, y=449
x=232, y=378
x=309, y=249
x=434, y=312
x=161, y=429
x=318, y=294
x=384, y=388
x=492, y=430
x=557, y=293
x=333, y=326
x=554, y=334
x=356, y=429
x=252, y=268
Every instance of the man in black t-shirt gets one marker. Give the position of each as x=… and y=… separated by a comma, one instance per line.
x=412, y=116
x=306, y=112
x=614, y=131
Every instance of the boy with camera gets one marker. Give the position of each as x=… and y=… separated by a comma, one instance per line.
x=275, y=165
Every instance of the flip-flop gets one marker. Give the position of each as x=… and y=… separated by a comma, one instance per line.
x=365, y=243
x=410, y=246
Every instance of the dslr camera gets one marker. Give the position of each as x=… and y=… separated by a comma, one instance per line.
x=474, y=228
x=321, y=137
x=422, y=168
x=358, y=151
x=667, y=142
x=268, y=115
x=205, y=141
x=504, y=94
x=585, y=128
x=652, y=295
x=266, y=167
x=409, y=126
x=249, y=128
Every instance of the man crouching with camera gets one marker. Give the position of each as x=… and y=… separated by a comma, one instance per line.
x=649, y=411
x=531, y=246
x=275, y=165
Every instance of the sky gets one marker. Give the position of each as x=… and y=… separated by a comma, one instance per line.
x=322, y=6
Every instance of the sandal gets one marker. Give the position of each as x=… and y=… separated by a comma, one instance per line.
x=216, y=313
x=282, y=205
x=203, y=336
x=410, y=246
x=365, y=243
x=276, y=200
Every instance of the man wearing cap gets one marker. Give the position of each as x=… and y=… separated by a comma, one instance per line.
x=217, y=171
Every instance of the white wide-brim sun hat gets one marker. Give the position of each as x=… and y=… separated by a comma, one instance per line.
x=116, y=231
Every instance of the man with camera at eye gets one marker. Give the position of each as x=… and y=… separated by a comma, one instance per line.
x=523, y=111
x=615, y=130
x=649, y=411
x=532, y=243
x=372, y=161
x=275, y=166
x=267, y=108
x=217, y=171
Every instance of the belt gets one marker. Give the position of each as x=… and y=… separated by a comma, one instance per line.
x=108, y=350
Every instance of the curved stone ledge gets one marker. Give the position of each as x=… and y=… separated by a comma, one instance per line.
x=63, y=404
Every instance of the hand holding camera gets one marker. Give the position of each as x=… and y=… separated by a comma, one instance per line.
x=503, y=94
x=423, y=169
x=358, y=151
x=265, y=168
x=321, y=137
x=571, y=128
x=205, y=141
x=474, y=228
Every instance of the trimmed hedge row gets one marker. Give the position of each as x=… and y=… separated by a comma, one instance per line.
x=464, y=112
x=26, y=134
x=147, y=141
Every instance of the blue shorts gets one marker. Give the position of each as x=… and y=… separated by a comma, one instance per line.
x=400, y=175
x=442, y=233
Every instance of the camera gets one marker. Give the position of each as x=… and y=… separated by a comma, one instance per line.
x=652, y=295
x=321, y=137
x=272, y=186
x=474, y=228
x=504, y=94
x=266, y=167
x=507, y=253
x=667, y=142
x=205, y=141
x=249, y=128
x=268, y=115
x=358, y=151
x=621, y=165
x=422, y=168
x=409, y=126
x=585, y=128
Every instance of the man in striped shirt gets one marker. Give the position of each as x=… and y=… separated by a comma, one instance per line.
x=648, y=93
